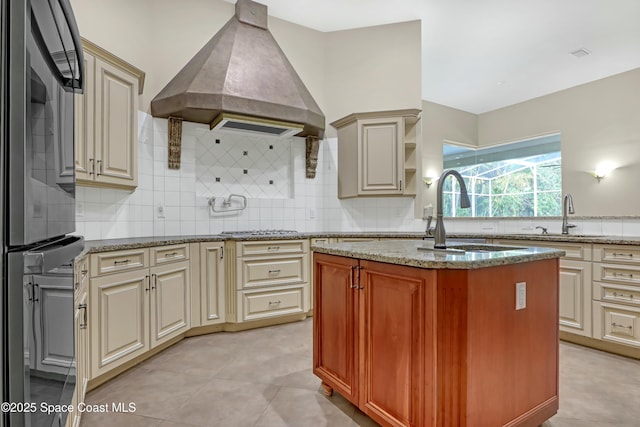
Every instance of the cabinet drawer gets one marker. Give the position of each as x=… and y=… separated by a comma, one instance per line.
x=274, y=302
x=616, y=293
x=617, y=273
x=616, y=323
x=321, y=240
x=113, y=262
x=255, y=272
x=357, y=239
x=272, y=247
x=617, y=254
x=165, y=254
x=577, y=251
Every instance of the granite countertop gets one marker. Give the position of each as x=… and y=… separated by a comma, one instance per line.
x=94, y=246
x=406, y=252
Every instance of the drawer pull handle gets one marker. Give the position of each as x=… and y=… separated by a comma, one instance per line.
x=620, y=254
x=84, y=272
x=125, y=261
x=616, y=325
x=275, y=302
x=274, y=271
x=273, y=248
x=83, y=325
x=617, y=295
x=627, y=275
x=171, y=254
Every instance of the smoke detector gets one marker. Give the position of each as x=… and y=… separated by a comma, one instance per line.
x=581, y=52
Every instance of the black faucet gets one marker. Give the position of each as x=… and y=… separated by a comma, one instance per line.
x=440, y=233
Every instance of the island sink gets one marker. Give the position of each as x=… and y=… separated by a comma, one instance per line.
x=428, y=339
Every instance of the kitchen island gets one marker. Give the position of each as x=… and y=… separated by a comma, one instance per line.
x=420, y=337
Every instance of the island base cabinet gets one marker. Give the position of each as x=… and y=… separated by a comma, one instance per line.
x=371, y=337
x=438, y=347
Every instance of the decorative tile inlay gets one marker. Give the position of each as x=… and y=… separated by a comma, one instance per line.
x=238, y=163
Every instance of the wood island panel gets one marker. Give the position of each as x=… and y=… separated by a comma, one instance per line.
x=438, y=347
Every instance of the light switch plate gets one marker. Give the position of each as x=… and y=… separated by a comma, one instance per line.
x=521, y=295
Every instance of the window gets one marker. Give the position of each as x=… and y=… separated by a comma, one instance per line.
x=511, y=180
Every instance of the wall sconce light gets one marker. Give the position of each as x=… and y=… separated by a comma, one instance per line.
x=428, y=180
x=602, y=170
x=599, y=175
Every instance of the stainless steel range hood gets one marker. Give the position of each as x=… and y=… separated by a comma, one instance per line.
x=242, y=78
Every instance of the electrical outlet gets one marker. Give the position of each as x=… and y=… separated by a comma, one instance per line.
x=79, y=209
x=521, y=295
x=312, y=213
x=160, y=211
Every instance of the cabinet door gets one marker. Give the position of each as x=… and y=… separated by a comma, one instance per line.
x=170, y=301
x=380, y=160
x=116, y=110
x=119, y=319
x=398, y=311
x=575, y=297
x=83, y=122
x=335, y=323
x=212, y=308
x=52, y=327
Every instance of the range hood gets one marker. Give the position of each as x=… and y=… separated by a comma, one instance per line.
x=242, y=80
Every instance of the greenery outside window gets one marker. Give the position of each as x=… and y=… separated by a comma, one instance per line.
x=519, y=179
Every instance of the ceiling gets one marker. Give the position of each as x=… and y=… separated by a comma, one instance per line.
x=480, y=55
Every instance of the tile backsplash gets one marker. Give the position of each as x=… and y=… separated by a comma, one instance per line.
x=174, y=202
x=230, y=162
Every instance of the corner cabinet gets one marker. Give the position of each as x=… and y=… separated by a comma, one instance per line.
x=106, y=121
x=139, y=299
x=377, y=153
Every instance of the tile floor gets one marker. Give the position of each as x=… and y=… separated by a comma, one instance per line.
x=262, y=378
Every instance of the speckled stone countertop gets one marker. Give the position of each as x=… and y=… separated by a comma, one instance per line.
x=94, y=246
x=407, y=252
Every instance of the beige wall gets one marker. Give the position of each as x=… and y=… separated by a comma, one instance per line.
x=372, y=69
x=598, y=121
x=440, y=124
x=357, y=70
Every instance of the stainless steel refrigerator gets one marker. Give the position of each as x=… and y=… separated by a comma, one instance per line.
x=42, y=68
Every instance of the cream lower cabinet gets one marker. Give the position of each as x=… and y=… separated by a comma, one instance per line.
x=209, y=297
x=136, y=310
x=271, y=280
x=575, y=283
x=119, y=319
x=616, y=294
x=82, y=357
x=106, y=121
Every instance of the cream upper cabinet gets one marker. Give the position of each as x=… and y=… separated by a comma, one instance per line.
x=377, y=153
x=106, y=120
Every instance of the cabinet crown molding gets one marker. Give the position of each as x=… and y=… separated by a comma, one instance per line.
x=116, y=61
x=410, y=112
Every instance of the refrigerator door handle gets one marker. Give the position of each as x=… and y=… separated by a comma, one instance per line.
x=51, y=255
